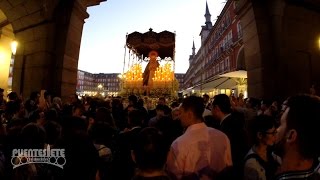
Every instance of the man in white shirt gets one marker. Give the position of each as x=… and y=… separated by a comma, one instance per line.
x=201, y=152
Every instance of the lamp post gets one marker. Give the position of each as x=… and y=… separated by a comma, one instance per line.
x=14, y=45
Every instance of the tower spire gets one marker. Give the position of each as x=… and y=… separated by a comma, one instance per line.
x=208, y=16
x=193, y=49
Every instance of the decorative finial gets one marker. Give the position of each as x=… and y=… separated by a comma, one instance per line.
x=150, y=29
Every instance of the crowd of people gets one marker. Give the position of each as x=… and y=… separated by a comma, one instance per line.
x=191, y=138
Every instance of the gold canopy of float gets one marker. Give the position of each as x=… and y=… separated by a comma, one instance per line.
x=153, y=52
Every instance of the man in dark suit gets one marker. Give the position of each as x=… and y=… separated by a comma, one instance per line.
x=233, y=125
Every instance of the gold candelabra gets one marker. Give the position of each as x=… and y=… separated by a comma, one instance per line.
x=132, y=79
x=163, y=81
x=163, y=76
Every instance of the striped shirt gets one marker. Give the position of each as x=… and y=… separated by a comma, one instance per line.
x=311, y=174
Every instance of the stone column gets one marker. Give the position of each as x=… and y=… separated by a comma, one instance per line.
x=48, y=52
x=69, y=32
x=279, y=43
x=259, y=56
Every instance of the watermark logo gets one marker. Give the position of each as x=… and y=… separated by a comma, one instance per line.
x=54, y=157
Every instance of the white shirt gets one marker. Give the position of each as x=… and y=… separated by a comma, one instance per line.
x=206, y=112
x=199, y=148
x=224, y=118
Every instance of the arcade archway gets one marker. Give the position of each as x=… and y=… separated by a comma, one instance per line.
x=7, y=52
x=49, y=37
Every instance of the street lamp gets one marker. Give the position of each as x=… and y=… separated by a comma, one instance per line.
x=14, y=45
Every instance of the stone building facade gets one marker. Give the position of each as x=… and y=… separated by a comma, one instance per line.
x=86, y=82
x=218, y=66
x=110, y=82
x=91, y=84
x=180, y=79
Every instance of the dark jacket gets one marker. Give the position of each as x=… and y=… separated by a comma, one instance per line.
x=233, y=127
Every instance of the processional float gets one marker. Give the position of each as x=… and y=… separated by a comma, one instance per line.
x=157, y=50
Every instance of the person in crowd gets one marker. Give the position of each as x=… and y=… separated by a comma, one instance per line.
x=168, y=128
x=82, y=158
x=32, y=137
x=249, y=112
x=201, y=152
x=101, y=133
x=212, y=122
x=2, y=101
x=149, y=154
x=48, y=99
x=177, y=129
x=140, y=106
x=265, y=107
x=240, y=100
x=314, y=90
x=160, y=112
x=130, y=108
x=2, y=151
x=260, y=162
x=133, y=100
x=148, y=103
x=233, y=100
x=175, y=114
x=233, y=125
x=174, y=104
x=57, y=104
x=162, y=101
x=74, y=99
x=118, y=113
x=69, y=107
x=15, y=110
x=132, y=105
x=53, y=132
x=78, y=110
x=52, y=115
x=33, y=102
x=13, y=96
x=207, y=106
x=297, y=139
x=38, y=117
x=207, y=103
x=124, y=166
x=153, y=112
x=104, y=115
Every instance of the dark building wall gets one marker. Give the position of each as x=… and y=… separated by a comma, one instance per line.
x=301, y=48
x=280, y=46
